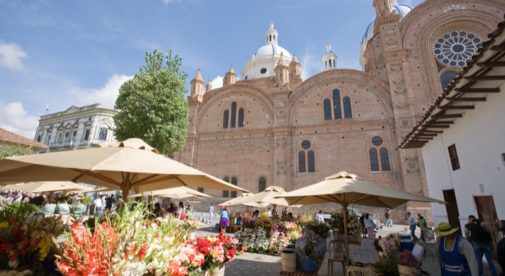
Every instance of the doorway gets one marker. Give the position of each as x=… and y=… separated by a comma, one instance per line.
x=451, y=208
x=486, y=211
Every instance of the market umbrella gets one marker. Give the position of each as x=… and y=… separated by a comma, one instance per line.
x=127, y=165
x=344, y=188
x=242, y=200
x=47, y=186
x=266, y=197
x=176, y=192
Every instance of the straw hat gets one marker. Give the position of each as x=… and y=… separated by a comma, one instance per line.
x=445, y=229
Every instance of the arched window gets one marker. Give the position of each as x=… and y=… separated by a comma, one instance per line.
x=311, y=161
x=262, y=184
x=301, y=161
x=327, y=109
x=234, y=182
x=241, y=117
x=374, y=162
x=384, y=159
x=347, y=107
x=336, y=104
x=233, y=114
x=446, y=78
x=225, y=192
x=226, y=118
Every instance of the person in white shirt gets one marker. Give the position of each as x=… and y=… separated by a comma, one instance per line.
x=319, y=217
x=98, y=206
x=370, y=226
x=412, y=222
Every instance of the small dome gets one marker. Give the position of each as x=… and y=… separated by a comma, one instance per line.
x=262, y=64
x=401, y=10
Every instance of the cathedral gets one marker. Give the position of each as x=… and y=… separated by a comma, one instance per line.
x=269, y=126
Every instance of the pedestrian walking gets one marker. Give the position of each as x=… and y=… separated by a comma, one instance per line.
x=224, y=220
x=211, y=212
x=388, y=222
x=500, y=247
x=319, y=217
x=482, y=243
x=455, y=254
x=421, y=222
x=412, y=224
x=370, y=226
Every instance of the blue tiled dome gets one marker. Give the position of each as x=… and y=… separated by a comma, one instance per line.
x=401, y=10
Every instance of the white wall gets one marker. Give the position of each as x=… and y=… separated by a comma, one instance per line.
x=480, y=140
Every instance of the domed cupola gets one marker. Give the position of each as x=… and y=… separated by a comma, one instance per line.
x=262, y=64
x=329, y=58
x=382, y=8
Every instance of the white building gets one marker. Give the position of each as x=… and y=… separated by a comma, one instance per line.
x=462, y=138
x=76, y=128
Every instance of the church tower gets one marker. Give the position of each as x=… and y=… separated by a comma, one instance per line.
x=229, y=77
x=197, y=87
x=281, y=72
x=271, y=35
x=330, y=58
x=295, y=71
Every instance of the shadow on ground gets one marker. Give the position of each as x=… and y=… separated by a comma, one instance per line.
x=254, y=264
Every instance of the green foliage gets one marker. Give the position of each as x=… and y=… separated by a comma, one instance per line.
x=151, y=106
x=12, y=150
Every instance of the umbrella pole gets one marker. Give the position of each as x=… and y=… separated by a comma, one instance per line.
x=346, y=238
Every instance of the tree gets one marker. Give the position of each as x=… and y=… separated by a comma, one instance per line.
x=152, y=106
x=7, y=150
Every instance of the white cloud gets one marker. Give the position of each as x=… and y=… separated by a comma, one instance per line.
x=217, y=82
x=11, y=56
x=106, y=95
x=166, y=2
x=13, y=117
x=310, y=65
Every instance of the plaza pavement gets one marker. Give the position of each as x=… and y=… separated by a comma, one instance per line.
x=260, y=264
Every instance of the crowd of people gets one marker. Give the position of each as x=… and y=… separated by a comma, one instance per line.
x=229, y=222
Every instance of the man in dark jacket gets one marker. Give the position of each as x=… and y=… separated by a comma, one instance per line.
x=482, y=241
x=500, y=247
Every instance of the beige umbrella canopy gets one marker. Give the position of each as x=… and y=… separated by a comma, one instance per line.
x=48, y=186
x=177, y=192
x=344, y=188
x=128, y=165
x=242, y=200
x=266, y=197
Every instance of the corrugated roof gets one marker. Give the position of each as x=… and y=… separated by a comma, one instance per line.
x=9, y=137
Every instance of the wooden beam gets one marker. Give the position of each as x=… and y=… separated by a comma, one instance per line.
x=437, y=126
x=426, y=134
x=450, y=116
x=457, y=107
x=499, y=48
x=485, y=78
x=479, y=90
x=467, y=99
x=441, y=122
x=431, y=131
x=496, y=63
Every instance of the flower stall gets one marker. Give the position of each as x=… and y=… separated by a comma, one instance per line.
x=128, y=243
x=354, y=228
x=26, y=240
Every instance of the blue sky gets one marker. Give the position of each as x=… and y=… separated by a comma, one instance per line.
x=61, y=53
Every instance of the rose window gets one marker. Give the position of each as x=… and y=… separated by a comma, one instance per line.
x=456, y=48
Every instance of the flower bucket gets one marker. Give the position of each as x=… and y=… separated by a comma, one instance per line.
x=307, y=265
x=408, y=270
x=217, y=272
x=288, y=259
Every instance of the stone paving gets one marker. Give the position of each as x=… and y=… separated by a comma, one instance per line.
x=260, y=264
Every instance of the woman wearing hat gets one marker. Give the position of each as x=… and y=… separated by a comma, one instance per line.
x=455, y=254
